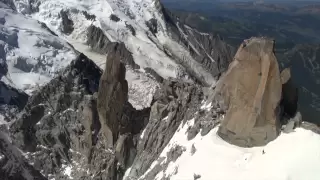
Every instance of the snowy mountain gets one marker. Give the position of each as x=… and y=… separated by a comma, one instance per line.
x=158, y=109
x=31, y=54
x=141, y=25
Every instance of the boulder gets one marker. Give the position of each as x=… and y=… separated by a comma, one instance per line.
x=251, y=91
x=112, y=95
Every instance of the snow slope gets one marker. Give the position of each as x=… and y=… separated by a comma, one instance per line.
x=133, y=12
x=32, y=54
x=293, y=156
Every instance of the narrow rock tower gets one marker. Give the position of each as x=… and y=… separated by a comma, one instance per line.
x=112, y=94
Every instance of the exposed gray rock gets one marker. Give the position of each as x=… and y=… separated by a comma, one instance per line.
x=9, y=3
x=131, y=28
x=289, y=127
x=67, y=23
x=152, y=24
x=115, y=18
x=193, y=149
x=196, y=176
x=88, y=16
x=97, y=40
x=154, y=74
x=112, y=94
x=23, y=65
x=289, y=101
x=44, y=26
x=3, y=61
x=312, y=127
x=14, y=166
x=124, y=150
x=12, y=97
x=122, y=53
x=175, y=153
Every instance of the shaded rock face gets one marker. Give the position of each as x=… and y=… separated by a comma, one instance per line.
x=13, y=165
x=112, y=94
x=67, y=24
x=131, y=28
x=174, y=102
x=100, y=43
x=251, y=91
x=10, y=4
x=152, y=24
x=304, y=63
x=115, y=18
x=12, y=97
x=289, y=102
x=60, y=129
x=154, y=74
x=122, y=53
x=97, y=40
x=88, y=16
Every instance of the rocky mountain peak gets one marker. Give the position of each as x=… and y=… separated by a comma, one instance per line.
x=251, y=88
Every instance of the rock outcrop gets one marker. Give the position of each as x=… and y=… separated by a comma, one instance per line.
x=251, y=90
x=10, y=96
x=100, y=43
x=121, y=52
x=112, y=94
x=97, y=40
x=67, y=23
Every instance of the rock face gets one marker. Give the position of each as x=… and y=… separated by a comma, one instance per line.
x=12, y=97
x=112, y=94
x=13, y=165
x=100, y=43
x=122, y=53
x=67, y=24
x=251, y=89
x=289, y=102
x=97, y=40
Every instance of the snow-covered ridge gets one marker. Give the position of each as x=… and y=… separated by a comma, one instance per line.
x=289, y=157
